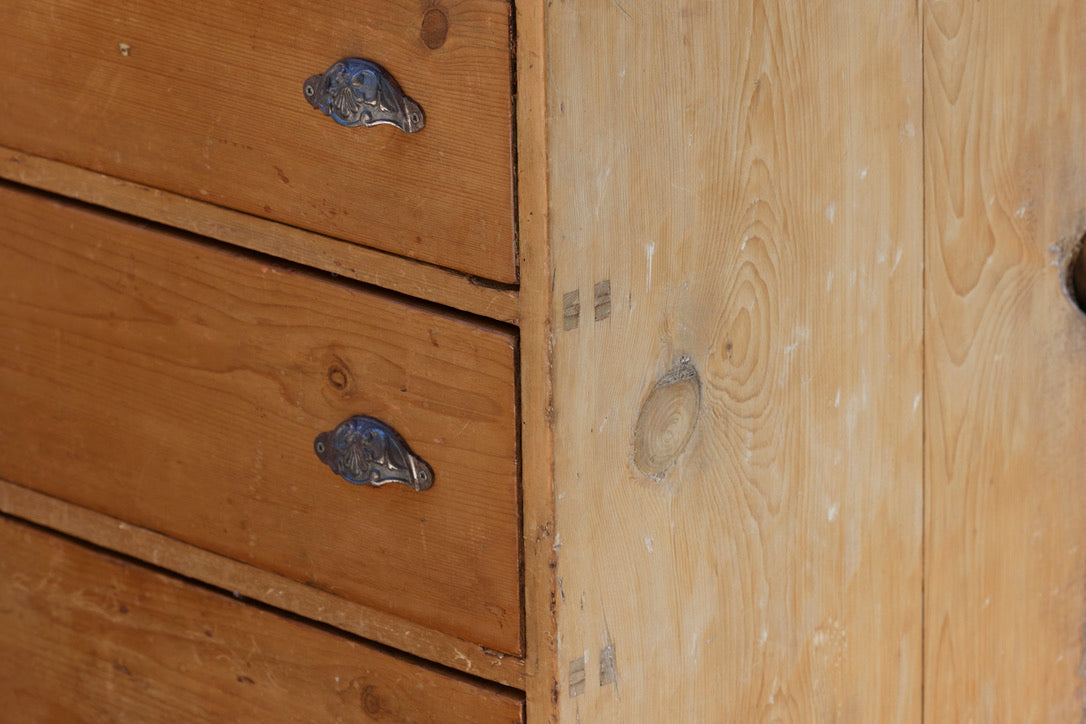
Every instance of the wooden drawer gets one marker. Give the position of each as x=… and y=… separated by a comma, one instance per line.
x=205, y=98
x=180, y=386
x=88, y=637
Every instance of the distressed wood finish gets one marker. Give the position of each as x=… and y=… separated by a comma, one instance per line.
x=206, y=100
x=260, y=585
x=91, y=638
x=379, y=268
x=748, y=178
x=1006, y=361
x=536, y=402
x=179, y=386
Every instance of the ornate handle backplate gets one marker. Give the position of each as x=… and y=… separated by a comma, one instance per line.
x=365, y=451
x=357, y=92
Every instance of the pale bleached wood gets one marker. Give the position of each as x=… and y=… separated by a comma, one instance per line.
x=1005, y=352
x=260, y=585
x=87, y=637
x=748, y=178
x=536, y=409
x=399, y=274
x=179, y=385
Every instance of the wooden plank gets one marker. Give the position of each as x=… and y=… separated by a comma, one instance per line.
x=536, y=403
x=1005, y=104
x=260, y=585
x=204, y=99
x=736, y=192
x=88, y=637
x=388, y=271
x=179, y=386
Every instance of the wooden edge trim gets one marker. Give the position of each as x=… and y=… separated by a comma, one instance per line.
x=260, y=585
x=371, y=266
x=537, y=445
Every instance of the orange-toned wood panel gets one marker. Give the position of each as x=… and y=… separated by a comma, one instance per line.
x=205, y=98
x=87, y=637
x=178, y=385
x=1005, y=590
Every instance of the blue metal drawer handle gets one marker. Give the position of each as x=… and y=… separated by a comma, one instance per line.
x=365, y=451
x=357, y=92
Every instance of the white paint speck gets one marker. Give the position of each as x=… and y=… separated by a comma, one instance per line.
x=863, y=172
x=1023, y=210
x=650, y=249
x=648, y=543
x=837, y=400
x=916, y=402
x=831, y=514
x=831, y=211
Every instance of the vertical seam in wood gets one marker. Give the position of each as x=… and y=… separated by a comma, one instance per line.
x=920, y=17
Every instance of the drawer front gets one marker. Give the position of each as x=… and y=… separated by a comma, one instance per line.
x=181, y=386
x=86, y=637
x=205, y=98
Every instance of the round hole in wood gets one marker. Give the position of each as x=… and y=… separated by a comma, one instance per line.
x=1075, y=281
x=667, y=418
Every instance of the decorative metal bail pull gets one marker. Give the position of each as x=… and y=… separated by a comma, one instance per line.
x=357, y=92
x=365, y=451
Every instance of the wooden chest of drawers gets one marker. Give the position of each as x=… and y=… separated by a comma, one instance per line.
x=717, y=361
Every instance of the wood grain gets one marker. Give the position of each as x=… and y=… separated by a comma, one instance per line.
x=87, y=637
x=748, y=177
x=179, y=386
x=206, y=101
x=387, y=271
x=1005, y=609
x=260, y=585
x=536, y=349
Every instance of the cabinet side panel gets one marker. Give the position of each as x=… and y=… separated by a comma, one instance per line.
x=1005, y=608
x=736, y=198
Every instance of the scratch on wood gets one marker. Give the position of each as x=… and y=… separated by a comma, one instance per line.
x=602, y=294
x=576, y=677
x=571, y=310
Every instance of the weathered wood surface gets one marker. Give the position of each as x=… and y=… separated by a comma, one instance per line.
x=260, y=585
x=388, y=271
x=204, y=98
x=1005, y=352
x=748, y=178
x=541, y=666
x=91, y=638
x=179, y=386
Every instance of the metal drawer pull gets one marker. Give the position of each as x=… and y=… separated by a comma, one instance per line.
x=365, y=451
x=357, y=92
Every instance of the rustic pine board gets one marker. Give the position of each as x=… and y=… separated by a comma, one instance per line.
x=740, y=185
x=1005, y=587
x=260, y=585
x=88, y=637
x=388, y=271
x=204, y=98
x=179, y=386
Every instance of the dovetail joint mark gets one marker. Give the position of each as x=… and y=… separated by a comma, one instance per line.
x=608, y=672
x=576, y=677
x=602, y=297
x=571, y=310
